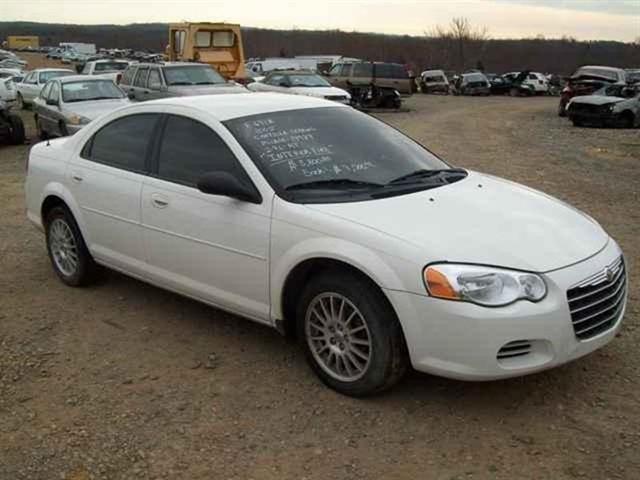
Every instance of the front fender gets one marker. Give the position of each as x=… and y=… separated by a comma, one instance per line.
x=368, y=261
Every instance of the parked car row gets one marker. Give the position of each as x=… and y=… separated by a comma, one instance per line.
x=602, y=96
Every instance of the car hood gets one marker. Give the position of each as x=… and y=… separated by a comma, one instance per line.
x=319, y=92
x=186, y=90
x=597, y=99
x=94, y=109
x=484, y=220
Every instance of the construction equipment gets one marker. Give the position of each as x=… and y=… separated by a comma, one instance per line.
x=218, y=44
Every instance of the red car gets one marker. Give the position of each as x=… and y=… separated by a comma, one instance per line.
x=587, y=80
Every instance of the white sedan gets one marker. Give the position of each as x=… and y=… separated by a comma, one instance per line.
x=314, y=218
x=299, y=83
x=33, y=83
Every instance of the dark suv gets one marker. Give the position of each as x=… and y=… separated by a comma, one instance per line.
x=392, y=75
x=150, y=81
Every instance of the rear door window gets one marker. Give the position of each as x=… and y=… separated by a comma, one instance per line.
x=362, y=70
x=127, y=78
x=346, y=70
x=123, y=143
x=189, y=149
x=154, y=79
x=45, y=91
x=141, y=77
x=54, y=93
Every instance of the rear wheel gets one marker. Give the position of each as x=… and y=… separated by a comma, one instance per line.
x=627, y=120
x=577, y=122
x=350, y=334
x=68, y=253
x=21, y=104
x=562, y=109
x=17, y=129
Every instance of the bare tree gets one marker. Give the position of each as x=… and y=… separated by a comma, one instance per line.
x=460, y=36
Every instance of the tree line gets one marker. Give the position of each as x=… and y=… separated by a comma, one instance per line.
x=458, y=46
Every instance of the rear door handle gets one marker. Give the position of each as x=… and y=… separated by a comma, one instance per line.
x=159, y=201
x=76, y=177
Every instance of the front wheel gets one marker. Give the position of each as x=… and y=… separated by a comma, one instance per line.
x=17, y=129
x=21, y=104
x=350, y=334
x=562, y=109
x=68, y=253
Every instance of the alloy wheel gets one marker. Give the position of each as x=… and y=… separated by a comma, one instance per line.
x=64, y=248
x=338, y=336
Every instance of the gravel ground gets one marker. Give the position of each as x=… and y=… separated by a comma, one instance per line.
x=123, y=380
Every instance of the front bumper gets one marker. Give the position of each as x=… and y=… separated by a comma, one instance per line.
x=595, y=118
x=462, y=340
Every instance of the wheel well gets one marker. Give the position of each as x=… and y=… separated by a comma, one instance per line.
x=298, y=278
x=49, y=203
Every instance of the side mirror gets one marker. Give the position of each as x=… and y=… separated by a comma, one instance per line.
x=284, y=84
x=52, y=102
x=131, y=95
x=225, y=184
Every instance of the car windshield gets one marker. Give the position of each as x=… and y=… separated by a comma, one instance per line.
x=597, y=72
x=192, y=75
x=84, y=91
x=46, y=76
x=111, y=66
x=435, y=79
x=335, y=154
x=308, y=81
x=474, y=77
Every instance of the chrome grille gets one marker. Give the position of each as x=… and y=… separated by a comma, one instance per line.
x=596, y=302
x=517, y=348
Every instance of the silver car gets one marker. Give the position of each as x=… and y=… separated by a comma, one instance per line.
x=150, y=81
x=35, y=81
x=66, y=104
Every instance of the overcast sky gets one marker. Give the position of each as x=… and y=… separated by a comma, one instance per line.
x=582, y=19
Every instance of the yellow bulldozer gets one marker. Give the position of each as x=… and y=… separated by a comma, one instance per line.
x=218, y=44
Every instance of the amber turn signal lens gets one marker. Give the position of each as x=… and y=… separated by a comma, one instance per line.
x=438, y=285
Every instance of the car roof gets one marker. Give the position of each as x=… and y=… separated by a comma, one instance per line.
x=228, y=106
x=81, y=78
x=39, y=70
x=170, y=64
x=292, y=72
x=600, y=67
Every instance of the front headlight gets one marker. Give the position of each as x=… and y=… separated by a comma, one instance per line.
x=78, y=120
x=488, y=286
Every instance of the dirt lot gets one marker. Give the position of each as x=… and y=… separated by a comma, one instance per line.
x=123, y=380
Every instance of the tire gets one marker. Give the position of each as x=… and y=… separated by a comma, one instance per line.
x=361, y=353
x=562, y=109
x=42, y=134
x=626, y=120
x=21, y=104
x=64, y=132
x=17, y=129
x=67, y=250
x=577, y=122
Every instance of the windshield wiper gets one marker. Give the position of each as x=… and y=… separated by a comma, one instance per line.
x=180, y=83
x=208, y=83
x=333, y=183
x=425, y=173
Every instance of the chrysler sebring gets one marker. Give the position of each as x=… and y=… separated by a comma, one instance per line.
x=330, y=225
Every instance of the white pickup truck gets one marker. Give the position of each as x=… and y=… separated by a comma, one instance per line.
x=111, y=69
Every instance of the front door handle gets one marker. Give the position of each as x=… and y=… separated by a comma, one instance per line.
x=159, y=201
x=76, y=177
